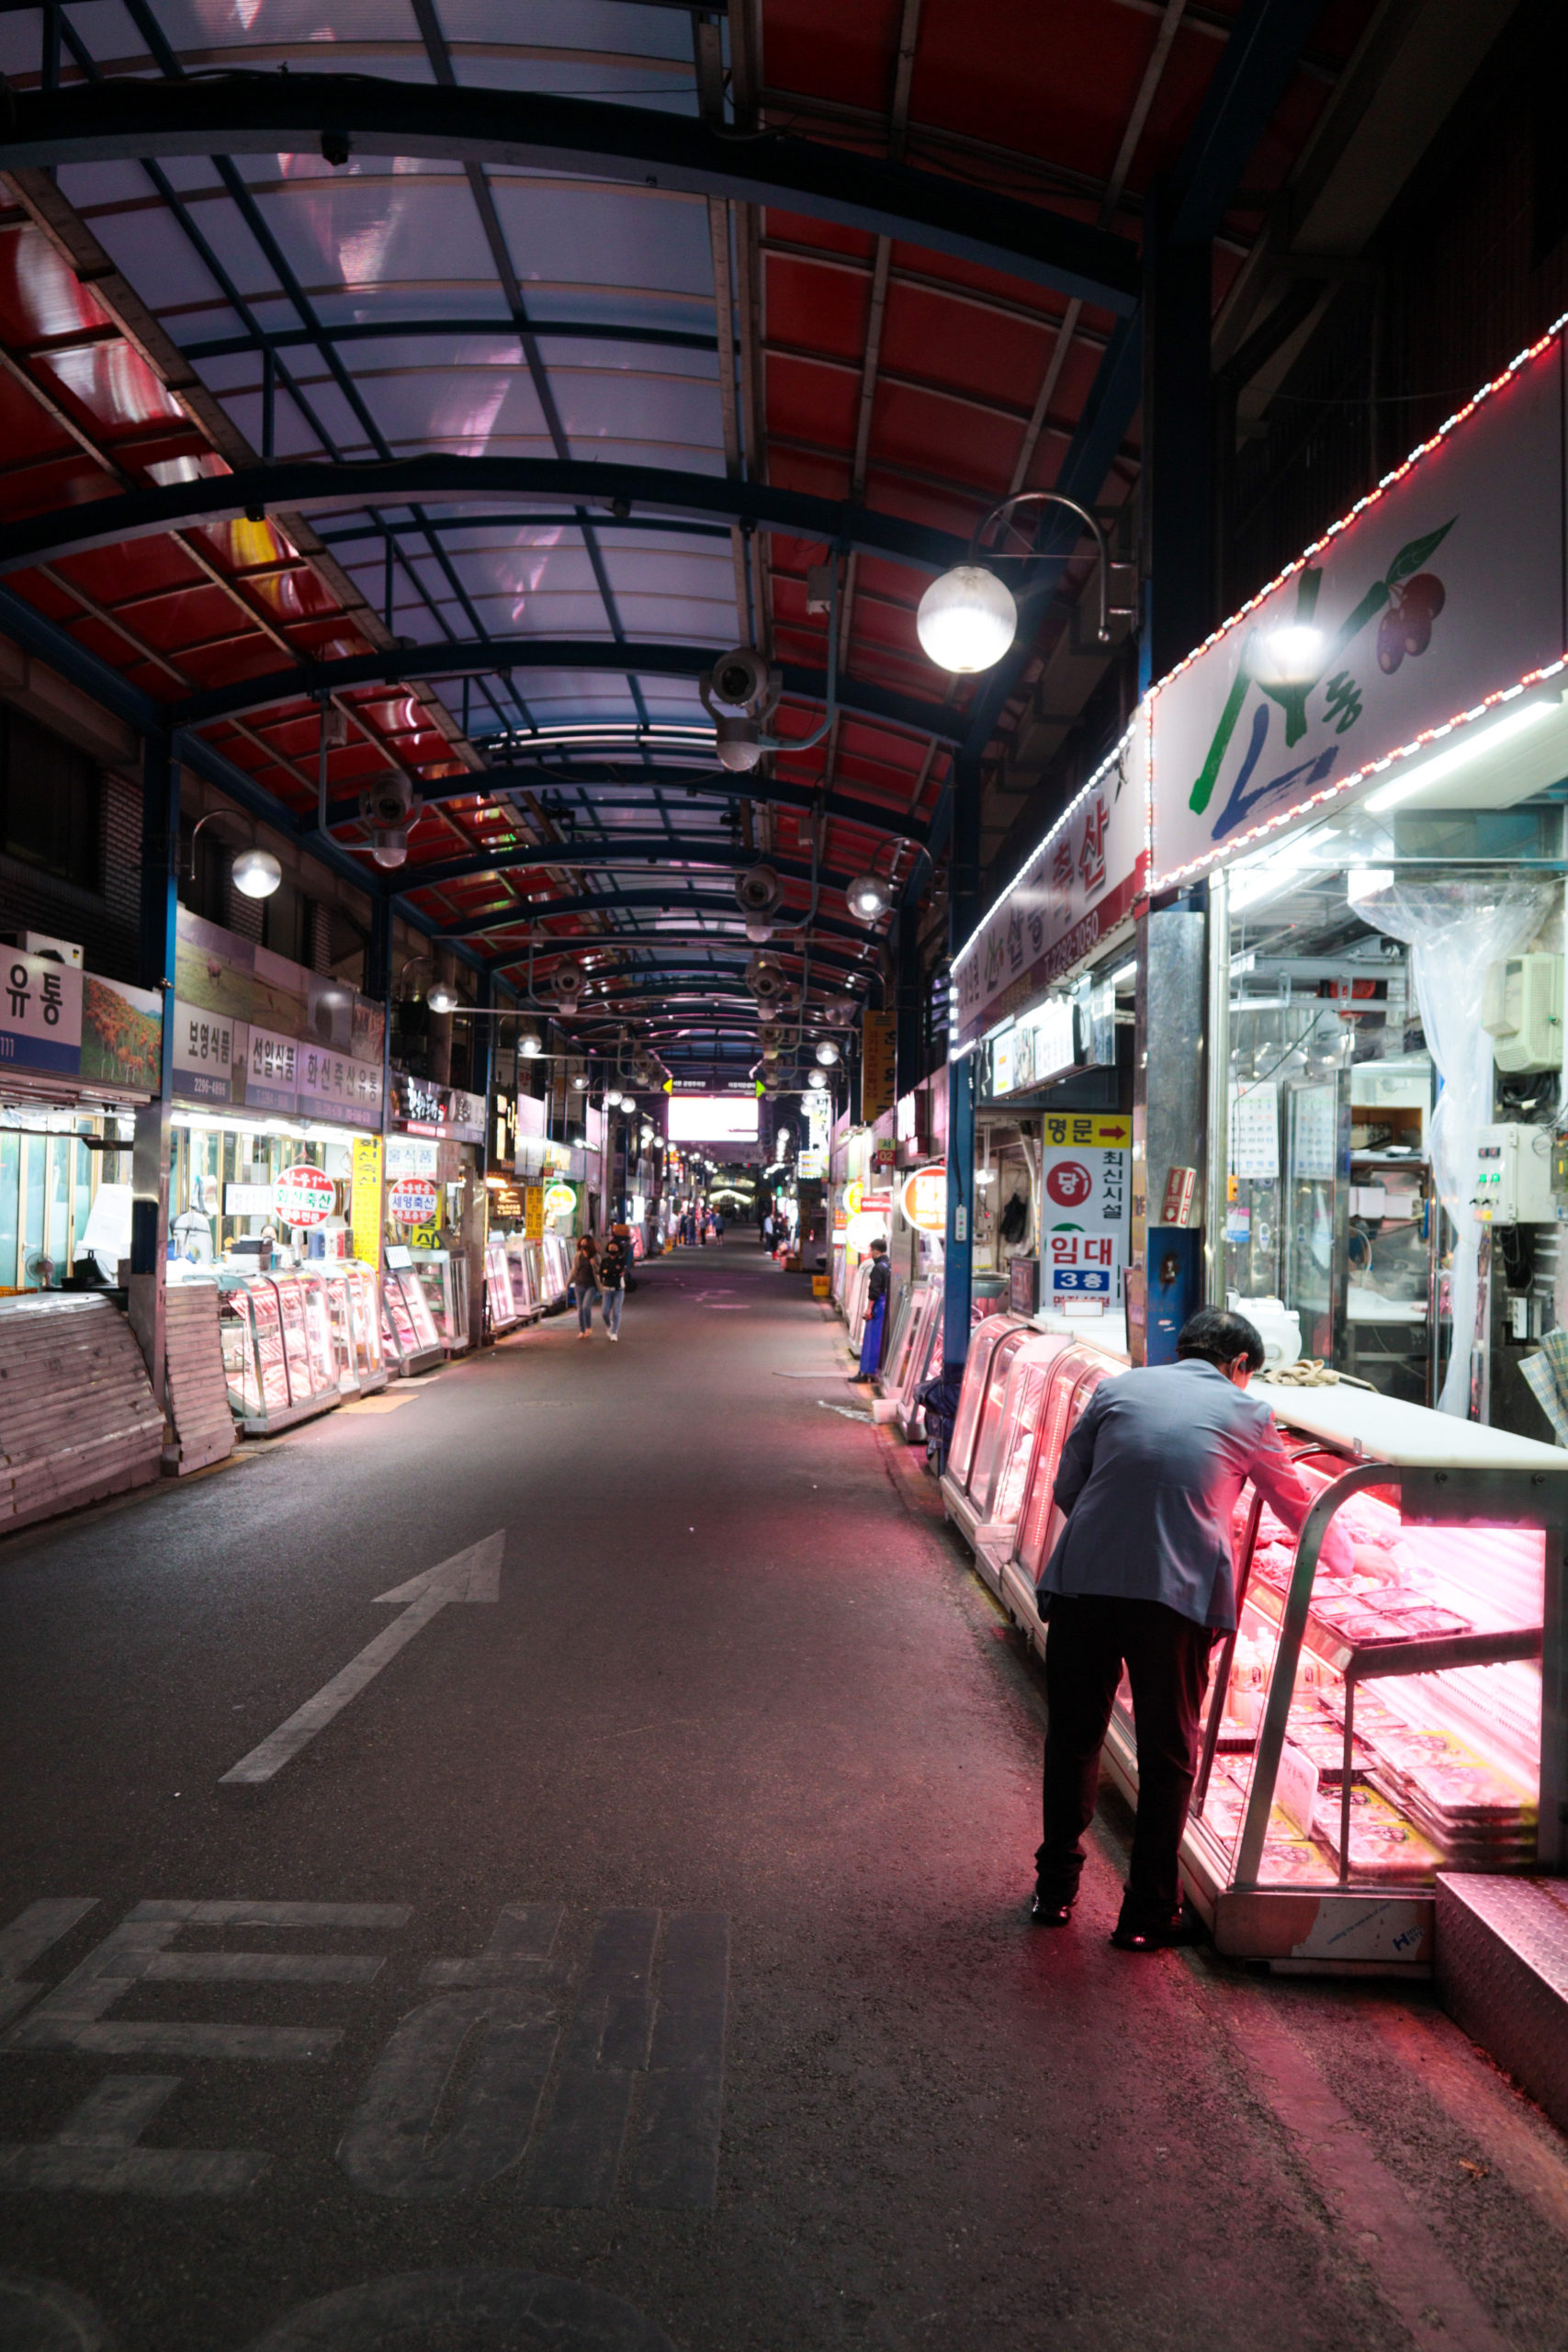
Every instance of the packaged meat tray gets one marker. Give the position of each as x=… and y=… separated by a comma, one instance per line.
x=1383, y=1844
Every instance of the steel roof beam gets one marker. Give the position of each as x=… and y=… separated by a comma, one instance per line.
x=298, y=485
x=894, y=824
x=525, y=914
x=123, y=120
x=638, y=849
x=481, y=656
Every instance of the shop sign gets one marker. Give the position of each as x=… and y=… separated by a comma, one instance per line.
x=1037, y=1049
x=533, y=1212
x=410, y=1156
x=854, y=1193
x=1080, y=883
x=334, y=1086
x=924, y=1197
x=1086, y=1130
x=561, y=1200
x=875, y=1203
x=878, y=1083
x=1440, y=592
x=303, y=1196
x=270, y=1071
x=426, y=1109
x=365, y=1201
x=122, y=1035
x=209, y=1048
x=40, y=1012
x=413, y=1200
x=883, y=1157
x=1084, y=1204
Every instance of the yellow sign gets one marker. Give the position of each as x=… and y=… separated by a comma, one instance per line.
x=855, y=1191
x=364, y=1209
x=1059, y=1127
x=878, y=1086
x=561, y=1200
x=533, y=1212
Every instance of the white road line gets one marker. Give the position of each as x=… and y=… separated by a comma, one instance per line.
x=473, y=1574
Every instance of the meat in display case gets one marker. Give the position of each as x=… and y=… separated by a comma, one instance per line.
x=1368, y=1724
x=408, y=1327
x=444, y=1280
x=278, y=1357
x=352, y=1310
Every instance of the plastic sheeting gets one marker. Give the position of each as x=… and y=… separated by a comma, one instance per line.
x=1456, y=931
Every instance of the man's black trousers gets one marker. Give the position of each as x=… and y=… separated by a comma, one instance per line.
x=1088, y=1638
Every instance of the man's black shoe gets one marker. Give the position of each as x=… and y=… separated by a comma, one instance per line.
x=1165, y=1935
x=1049, y=1910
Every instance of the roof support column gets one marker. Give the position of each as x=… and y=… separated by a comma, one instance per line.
x=150, y=1156
x=1178, y=555
x=962, y=913
x=907, y=1068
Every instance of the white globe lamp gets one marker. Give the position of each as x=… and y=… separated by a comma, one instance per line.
x=967, y=619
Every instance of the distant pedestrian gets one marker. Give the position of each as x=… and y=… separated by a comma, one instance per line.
x=614, y=1259
x=585, y=1284
x=768, y=1230
x=877, y=1287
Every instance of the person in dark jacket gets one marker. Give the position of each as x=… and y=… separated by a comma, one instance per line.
x=585, y=1284
x=877, y=1283
x=1140, y=1575
x=614, y=1259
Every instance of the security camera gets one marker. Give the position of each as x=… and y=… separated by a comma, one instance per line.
x=568, y=983
x=758, y=890
x=738, y=692
x=389, y=802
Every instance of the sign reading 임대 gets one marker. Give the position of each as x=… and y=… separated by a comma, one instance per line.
x=304, y=1196
x=1084, y=1212
x=924, y=1197
x=413, y=1200
x=1415, y=612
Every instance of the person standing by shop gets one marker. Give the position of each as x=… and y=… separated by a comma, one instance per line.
x=612, y=1261
x=1140, y=1575
x=585, y=1284
x=877, y=1287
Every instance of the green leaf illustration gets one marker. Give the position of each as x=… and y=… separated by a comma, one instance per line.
x=1416, y=552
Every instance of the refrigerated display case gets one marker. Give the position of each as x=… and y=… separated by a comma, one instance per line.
x=855, y=1303
x=556, y=1255
x=408, y=1327
x=999, y=1441
x=442, y=1278
x=1364, y=1728
x=501, y=1305
x=278, y=1357
x=523, y=1259
x=353, y=1305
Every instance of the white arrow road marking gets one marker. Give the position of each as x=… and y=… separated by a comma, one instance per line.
x=472, y=1576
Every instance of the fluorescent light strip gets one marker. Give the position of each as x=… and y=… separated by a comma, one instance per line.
x=1460, y=756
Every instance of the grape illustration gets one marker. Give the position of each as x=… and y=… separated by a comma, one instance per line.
x=1391, y=641
x=1407, y=625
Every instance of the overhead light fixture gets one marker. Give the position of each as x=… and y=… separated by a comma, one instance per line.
x=966, y=620
x=1365, y=882
x=818, y=1078
x=257, y=873
x=1125, y=975
x=827, y=1053
x=530, y=1044
x=1474, y=743
x=611, y=1100
x=580, y=1080
x=968, y=617
x=868, y=897
x=443, y=997
x=1290, y=655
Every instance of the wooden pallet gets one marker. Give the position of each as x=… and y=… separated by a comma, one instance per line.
x=77, y=1416
x=197, y=1390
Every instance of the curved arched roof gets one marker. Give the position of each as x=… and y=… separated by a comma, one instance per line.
x=478, y=370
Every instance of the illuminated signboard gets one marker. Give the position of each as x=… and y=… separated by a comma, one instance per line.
x=925, y=1198
x=304, y=1196
x=413, y=1200
x=713, y=1118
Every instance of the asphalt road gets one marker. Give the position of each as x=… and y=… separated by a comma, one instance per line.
x=639, y=1958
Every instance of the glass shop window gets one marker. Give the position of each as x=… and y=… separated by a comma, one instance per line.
x=50, y=796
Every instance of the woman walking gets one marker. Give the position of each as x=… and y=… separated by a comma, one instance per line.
x=585, y=1284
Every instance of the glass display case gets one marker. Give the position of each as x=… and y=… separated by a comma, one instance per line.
x=437, y=1273
x=524, y=1258
x=278, y=1355
x=855, y=1304
x=500, y=1305
x=1367, y=1725
x=976, y=1375
x=414, y=1344
x=357, y=1350
x=556, y=1256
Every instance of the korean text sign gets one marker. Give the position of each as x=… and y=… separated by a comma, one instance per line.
x=1084, y=1215
x=40, y=1012
x=1445, y=589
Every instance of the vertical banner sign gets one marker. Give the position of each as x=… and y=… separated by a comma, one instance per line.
x=876, y=1080
x=365, y=1205
x=533, y=1212
x=1084, y=1216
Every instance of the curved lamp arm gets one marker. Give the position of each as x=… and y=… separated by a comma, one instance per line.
x=1006, y=506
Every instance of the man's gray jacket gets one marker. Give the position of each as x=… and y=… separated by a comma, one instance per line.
x=1149, y=1480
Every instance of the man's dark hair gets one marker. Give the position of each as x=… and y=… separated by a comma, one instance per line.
x=881, y=1246
x=1216, y=1336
